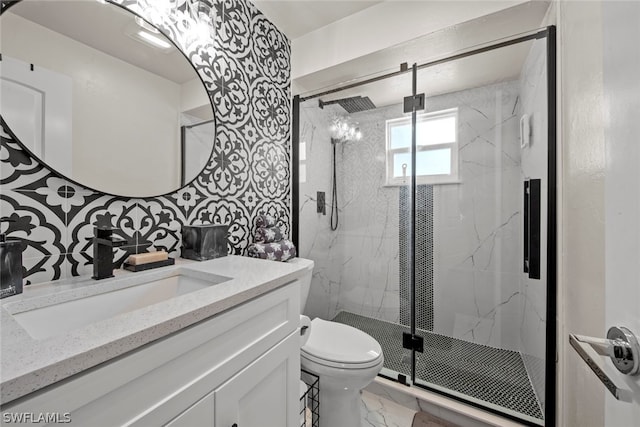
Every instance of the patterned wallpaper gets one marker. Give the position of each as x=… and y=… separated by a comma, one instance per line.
x=246, y=69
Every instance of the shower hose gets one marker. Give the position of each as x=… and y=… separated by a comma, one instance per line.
x=334, y=193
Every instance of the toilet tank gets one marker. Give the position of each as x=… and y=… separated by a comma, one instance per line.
x=305, y=279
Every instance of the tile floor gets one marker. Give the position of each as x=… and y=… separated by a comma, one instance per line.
x=376, y=411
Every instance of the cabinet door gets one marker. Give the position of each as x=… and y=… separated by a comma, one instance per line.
x=200, y=414
x=265, y=393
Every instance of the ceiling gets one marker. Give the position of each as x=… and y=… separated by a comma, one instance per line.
x=87, y=21
x=298, y=17
x=476, y=71
x=104, y=27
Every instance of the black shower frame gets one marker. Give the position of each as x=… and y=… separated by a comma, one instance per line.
x=551, y=334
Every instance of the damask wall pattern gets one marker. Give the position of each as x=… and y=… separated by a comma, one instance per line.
x=246, y=69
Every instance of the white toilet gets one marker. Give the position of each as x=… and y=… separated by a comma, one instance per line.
x=344, y=358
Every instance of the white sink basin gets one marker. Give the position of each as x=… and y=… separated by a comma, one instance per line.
x=58, y=318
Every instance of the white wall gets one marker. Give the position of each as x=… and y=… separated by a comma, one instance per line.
x=582, y=239
x=144, y=106
x=192, y=96
x=381, y=26
x=621, y=108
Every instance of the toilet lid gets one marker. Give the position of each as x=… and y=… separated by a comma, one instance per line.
x=338, y=343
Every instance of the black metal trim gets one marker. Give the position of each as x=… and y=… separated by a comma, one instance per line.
x=552, y=218
x=535, y=201
x=525, y=227
x=402, y=379
x=204, y=122
x=183, y=149
x=412, y=207
x=5, y=5
x=413, y=342
x=295, y=171
x=519, y=39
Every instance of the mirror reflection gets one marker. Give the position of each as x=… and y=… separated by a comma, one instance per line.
x=103, y=98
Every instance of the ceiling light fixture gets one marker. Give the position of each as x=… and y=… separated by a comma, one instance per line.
x=146, y=26
x=154, y=40
x=342, y=130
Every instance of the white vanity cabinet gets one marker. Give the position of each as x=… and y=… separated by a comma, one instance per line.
x=257, y=396
x=239, y=367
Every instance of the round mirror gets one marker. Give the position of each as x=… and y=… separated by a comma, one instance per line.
x=102, y=97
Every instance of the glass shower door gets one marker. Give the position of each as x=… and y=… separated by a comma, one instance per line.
x=354, y=210
x=480, y=234
x=426, y=218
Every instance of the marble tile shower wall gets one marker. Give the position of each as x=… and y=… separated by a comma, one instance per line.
x=476, y=223
x=532, y=321
x=357, y=266
x=246, y=70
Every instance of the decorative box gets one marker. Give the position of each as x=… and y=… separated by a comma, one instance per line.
x=10, y=266
x=203, y=242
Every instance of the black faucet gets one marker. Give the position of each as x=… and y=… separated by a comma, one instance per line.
x=103, y=243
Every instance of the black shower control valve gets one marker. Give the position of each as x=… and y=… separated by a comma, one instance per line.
x=321, y=206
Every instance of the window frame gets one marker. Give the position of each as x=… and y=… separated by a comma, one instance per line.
x=453, y=177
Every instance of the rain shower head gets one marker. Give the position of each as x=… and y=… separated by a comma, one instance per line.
x=355, y=104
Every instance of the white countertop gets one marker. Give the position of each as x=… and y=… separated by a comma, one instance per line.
x=28, y=364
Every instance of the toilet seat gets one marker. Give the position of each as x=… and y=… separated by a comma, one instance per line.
x=341, y=346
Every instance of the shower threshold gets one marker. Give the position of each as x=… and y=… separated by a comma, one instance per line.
x=492, y=375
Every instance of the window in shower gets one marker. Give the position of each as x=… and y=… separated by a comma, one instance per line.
x=437, y=148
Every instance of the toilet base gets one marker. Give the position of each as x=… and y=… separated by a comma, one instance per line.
x=339, y=407
x=340, y=402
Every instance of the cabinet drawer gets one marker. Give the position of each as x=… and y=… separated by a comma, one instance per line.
x=180, y=368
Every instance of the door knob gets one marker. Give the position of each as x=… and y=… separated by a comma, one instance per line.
x=621, y=346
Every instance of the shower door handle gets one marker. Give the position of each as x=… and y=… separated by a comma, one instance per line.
x=531, y=227
x=622, y=348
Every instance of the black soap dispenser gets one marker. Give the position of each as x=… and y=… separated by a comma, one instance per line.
x=10, y=266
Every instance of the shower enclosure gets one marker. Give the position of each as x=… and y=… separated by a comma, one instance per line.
x=444, y=250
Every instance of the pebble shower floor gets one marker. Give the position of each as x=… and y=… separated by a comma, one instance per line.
x=490, y=374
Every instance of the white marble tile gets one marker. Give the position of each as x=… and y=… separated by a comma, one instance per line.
x=377, y=411
x=476, y=223
x=452, y=411
x=356, y=265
